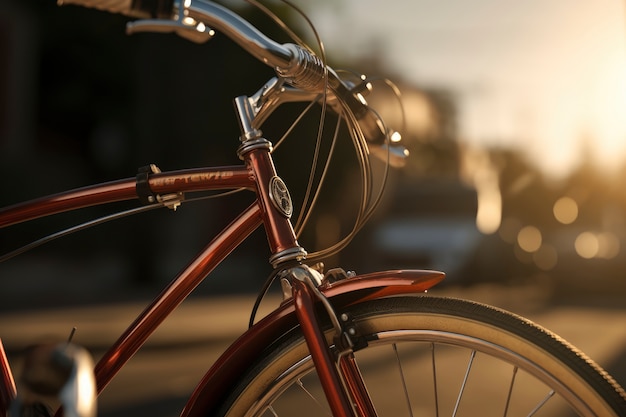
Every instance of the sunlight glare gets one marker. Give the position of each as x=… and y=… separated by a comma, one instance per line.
x=489, y=208
x=479, y=171
x=189, y=21
x=608, y=102
x=536, y=76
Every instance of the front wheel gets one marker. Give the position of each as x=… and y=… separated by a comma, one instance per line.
x=429, y=356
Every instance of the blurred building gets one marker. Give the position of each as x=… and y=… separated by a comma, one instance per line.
x=427, y=218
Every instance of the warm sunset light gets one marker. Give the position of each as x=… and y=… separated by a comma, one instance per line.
x=478, y=170
x=546, y=78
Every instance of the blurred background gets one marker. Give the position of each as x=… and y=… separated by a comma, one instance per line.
x=514, y=119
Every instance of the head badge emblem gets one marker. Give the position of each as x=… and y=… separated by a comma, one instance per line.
x=279, y=195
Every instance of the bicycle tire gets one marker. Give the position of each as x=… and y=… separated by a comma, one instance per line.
x=436, y=333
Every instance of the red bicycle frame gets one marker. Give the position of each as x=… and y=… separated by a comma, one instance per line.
x=307, y=77
x=255, y=175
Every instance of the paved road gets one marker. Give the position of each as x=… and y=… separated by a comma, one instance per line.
x=158, y=379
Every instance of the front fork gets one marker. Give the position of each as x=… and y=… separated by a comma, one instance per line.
x=340, y=377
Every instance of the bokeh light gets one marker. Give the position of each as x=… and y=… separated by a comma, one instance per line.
x=587, y=245
x=565, y=210
x=608, y=245
x=529, y=239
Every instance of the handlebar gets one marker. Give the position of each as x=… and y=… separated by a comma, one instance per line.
x=296, y=65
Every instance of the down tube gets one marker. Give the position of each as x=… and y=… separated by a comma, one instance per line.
x=139, y=331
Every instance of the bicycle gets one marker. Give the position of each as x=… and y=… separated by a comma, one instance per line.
x=323, y=343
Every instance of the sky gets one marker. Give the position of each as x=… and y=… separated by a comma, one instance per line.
x=544, y=76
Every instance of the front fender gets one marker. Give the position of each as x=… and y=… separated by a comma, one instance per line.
x=218, y=381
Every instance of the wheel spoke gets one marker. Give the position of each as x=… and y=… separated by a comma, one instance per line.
x=496, y=374
x=311, y=396
x=541, y=404
x=436, y=392
x=404, y=387
x=467, y=372
x=508, y=397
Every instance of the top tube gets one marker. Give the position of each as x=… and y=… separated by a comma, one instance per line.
x=186, y=180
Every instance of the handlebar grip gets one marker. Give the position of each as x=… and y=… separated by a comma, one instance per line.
x=134, y=8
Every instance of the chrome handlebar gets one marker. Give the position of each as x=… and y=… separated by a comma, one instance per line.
x=297, y=66
x=196, y=19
